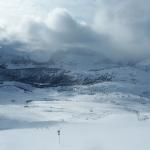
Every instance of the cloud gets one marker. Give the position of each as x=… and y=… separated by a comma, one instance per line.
x=126, y=22
x=60, y=32
x=120, y=29
x=87, y=7
x=14, y=11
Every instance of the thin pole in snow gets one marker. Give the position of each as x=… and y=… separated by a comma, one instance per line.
x=58, y=132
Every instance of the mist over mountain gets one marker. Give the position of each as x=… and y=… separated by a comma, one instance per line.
x=119, y=33
x=116, y=35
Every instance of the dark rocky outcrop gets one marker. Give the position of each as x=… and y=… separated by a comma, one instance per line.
x=46, y=77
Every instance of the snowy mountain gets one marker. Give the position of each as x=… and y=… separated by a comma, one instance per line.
x=72, y=91
x=85, y=98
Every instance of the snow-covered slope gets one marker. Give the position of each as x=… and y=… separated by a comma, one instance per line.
x=116, y=132
x=100, y=100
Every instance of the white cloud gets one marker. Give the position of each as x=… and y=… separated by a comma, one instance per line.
x=126, y=22
x=14, y=12
x=120, y=28
x=60, y=31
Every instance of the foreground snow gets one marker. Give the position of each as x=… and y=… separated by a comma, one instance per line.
x=103, y=116
x=115, y=132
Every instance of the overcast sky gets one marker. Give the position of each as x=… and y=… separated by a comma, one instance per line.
x=112, y=27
